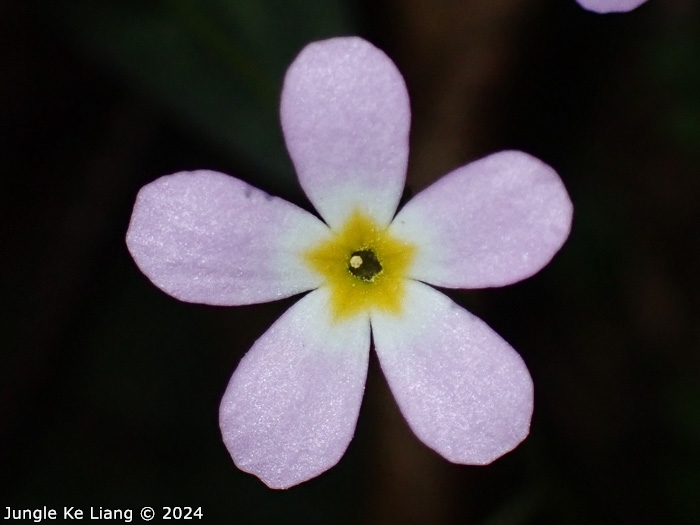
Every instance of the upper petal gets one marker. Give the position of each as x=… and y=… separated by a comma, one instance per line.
x=206, y=237
x=346, y=117
x=610, y=6
x=463, y=390
x=490, y=223
x=291, y=407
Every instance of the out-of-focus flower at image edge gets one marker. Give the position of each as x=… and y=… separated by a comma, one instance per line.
x=610, y=6
x=291, y=407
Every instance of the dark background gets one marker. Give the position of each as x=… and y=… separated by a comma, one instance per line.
x=109, y=389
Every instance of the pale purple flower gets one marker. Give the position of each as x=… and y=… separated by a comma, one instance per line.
x=290, y=409
x=610, y=6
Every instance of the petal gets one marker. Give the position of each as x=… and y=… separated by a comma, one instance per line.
x=490, y=223
x=463, y=390
x=291, y=407
x=346, y=117
x=610, y=6
x=205, y=237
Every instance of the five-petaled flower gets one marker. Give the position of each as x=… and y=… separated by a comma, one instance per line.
x=610, y=6
x=290, y=409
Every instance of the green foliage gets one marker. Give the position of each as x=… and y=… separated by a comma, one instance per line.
x=215, y=66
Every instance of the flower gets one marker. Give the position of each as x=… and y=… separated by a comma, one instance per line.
x=290, y=409
x=610, y=6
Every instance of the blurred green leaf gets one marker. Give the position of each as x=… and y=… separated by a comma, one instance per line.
x=217, y=65
x=673, y=58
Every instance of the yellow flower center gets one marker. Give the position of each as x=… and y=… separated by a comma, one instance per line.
x=364, y=267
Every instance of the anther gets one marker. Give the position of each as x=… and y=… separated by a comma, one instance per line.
x=364, y=264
